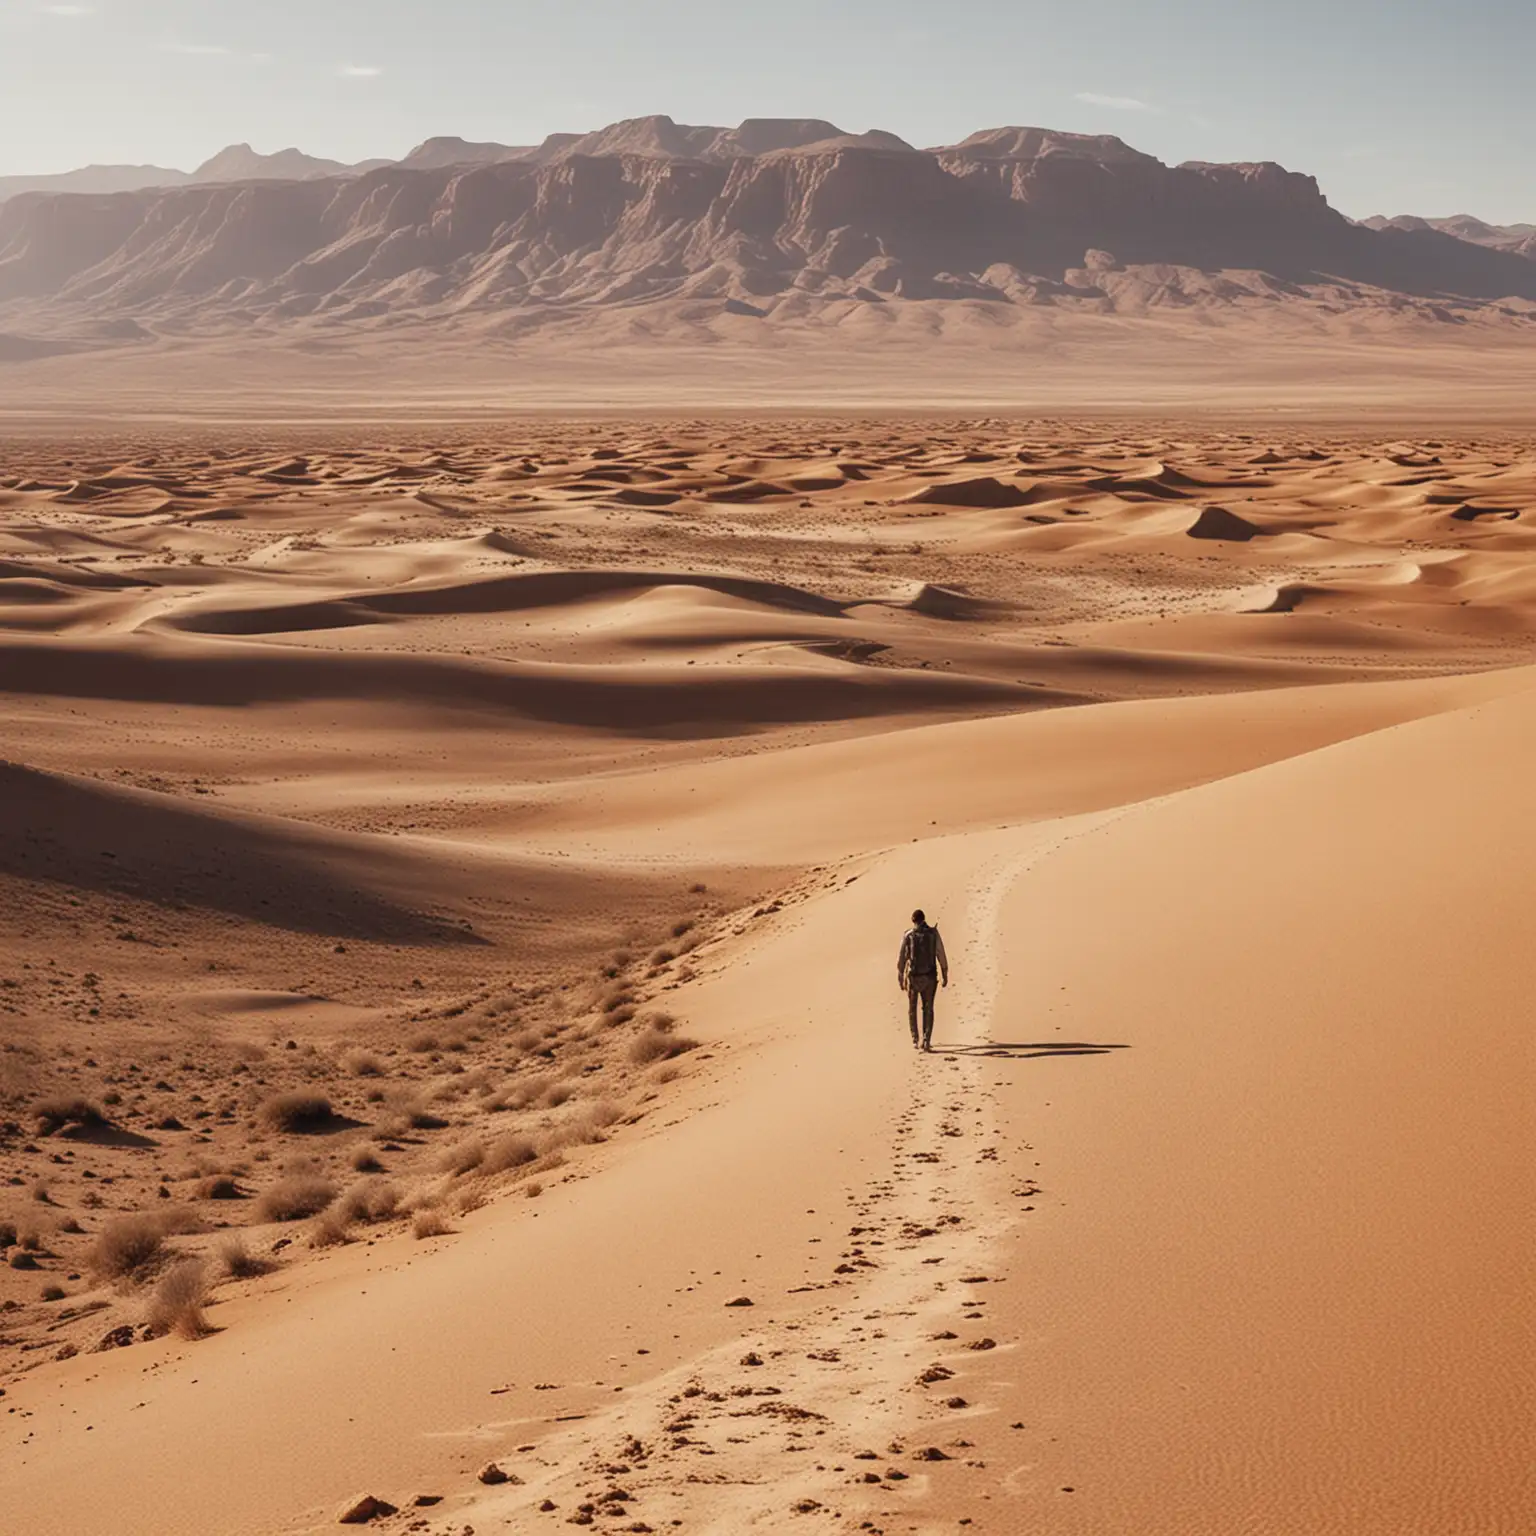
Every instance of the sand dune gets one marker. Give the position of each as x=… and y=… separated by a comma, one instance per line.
x=473, y=883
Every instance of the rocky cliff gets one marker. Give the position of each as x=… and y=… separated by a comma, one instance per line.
x=767, y=214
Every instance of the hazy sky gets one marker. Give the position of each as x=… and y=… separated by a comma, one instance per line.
x=1396, y=106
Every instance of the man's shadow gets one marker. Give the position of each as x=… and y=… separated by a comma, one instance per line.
x=1021, y=1050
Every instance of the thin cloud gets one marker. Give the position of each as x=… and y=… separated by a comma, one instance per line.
x=1115, y=103
x=359, y=71
x=198, y=50
x=68, y=10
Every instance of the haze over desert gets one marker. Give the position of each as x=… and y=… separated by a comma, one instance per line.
x=498, y=637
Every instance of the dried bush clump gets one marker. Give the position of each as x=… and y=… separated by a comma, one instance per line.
x=429, y=1223
x=332, y=1226
x=177, y=1303
x=238, y=1262
x=509, y=1152
x=218, y=1186
x=363, y=1064
x=58, y=1114
x=295, y=1112
x=364, y=1160
x=124, y=1245
x=656, y=1044
x=294, y=1197
x=463, y=1158
x=370, y=1201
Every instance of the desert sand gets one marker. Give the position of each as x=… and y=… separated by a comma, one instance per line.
x=450, y=882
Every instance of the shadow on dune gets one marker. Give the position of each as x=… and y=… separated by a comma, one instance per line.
x=1019, y=1050
x=115, y=840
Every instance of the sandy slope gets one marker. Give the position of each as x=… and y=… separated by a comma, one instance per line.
x=1270, y=1179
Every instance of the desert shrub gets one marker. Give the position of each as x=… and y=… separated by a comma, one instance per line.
x=124, y=1245
x=656, y=1044
x=237, y=1261
x=218, y=1186
x=615, y=998
x=509, y=1152
x=363, y=1064
x=461, y=1159
x=176, y=1306
x=423, y=1044
x=429, y=1223
x=295, y=1112
x=54, y=1293
x=364, y=1160
x=622, y=1014
x=7, y=1233
x=663, y=956
x=294, y=1197
x=370, y=1200
x=57, y=1114
x=332, y=1226
x=558, y=1094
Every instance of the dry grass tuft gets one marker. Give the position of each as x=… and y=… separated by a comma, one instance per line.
x=294, y=1197
x=370, y=1201
x=238, y=1262
x=363, y=1064
x=429, y=1223
x=332, y=1226
x=463, y=1158
x=177, y=1303
x=654, y=1043
x=126, y=1244
x=509, y=1152
x=364, y=1160
x=58, y=1114
x=296, y=1112
x=219, y=1186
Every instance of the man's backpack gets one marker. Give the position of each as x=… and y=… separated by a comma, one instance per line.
x=924, y=959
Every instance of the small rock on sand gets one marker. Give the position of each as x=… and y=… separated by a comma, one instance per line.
x=362, y=1509
x=492, y=1474
x=740, y=1301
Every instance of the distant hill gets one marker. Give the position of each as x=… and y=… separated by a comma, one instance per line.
x=1519, y=238
x=775, y=218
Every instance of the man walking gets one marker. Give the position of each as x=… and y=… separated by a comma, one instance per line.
x=918, y=965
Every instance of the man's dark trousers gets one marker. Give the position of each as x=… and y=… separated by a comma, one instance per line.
x=921, y=989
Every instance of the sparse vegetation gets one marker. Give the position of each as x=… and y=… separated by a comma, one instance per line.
x=429, y=1223
x=176, y=1305
x=54, y=1115
x=370, y=1201
x=294, y=1197
x=463, y=1158
x=654, y=1043
x=218, y=1186
x=363, y=1064
x=365, y=1160
x=126, y=1244
x=236, y=1260
x=509, y=1152
x=295, y=1112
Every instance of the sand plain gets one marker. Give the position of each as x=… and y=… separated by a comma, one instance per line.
x=545, y=796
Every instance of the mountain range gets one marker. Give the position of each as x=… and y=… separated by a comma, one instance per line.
x=772, y=219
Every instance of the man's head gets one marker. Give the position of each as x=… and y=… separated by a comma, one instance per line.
x=918, y=919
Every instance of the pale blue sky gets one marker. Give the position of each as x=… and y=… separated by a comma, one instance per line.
x=1395, y=105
